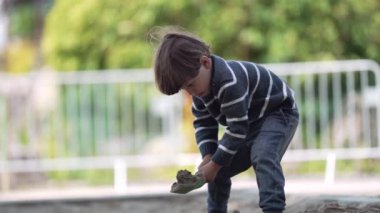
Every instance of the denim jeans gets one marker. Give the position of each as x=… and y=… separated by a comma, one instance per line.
x=266, y=143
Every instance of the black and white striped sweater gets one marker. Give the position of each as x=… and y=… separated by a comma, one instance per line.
x=241, y=93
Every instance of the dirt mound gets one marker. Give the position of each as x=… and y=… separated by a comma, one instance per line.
x=336, y=204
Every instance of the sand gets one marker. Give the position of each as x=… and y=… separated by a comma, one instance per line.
x=336, y=204
x=303, y=196
x=241, y=201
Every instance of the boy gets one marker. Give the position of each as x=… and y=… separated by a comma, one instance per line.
x=255, y=105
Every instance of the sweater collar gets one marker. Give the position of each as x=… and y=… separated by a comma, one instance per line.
x=220, y=75
x=220, y=72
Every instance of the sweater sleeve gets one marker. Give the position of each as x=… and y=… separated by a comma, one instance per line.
x=234, y=105
x=206, y=128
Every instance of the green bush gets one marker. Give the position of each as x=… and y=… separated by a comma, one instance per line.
x=19, y=56
x=113, y=34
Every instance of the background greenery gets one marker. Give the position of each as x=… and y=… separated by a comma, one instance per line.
x=96, y=34
x=100, y=35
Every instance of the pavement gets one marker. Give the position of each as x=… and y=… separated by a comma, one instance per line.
x=303, y=195
x=366, y=186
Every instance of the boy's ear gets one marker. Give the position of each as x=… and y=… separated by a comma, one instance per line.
x=205, y=61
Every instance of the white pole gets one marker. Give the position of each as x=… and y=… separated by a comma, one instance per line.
x=330, y=168
x=120, y=176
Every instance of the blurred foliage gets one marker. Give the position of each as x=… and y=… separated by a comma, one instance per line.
x=96, y=35
x=355, y=167
x=19, y=56
x=23, y=21
x=106, y=176
x=366, y=167
x=26, y=17
x=87, y=177
x=113, y=34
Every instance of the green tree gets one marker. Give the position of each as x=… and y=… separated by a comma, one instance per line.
x=95, y=34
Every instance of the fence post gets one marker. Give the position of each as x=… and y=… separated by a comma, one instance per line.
x=5, y=179
x=120, y=175
x=330, y=168
x=4, y=170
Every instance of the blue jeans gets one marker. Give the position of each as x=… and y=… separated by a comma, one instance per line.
x=266, y=143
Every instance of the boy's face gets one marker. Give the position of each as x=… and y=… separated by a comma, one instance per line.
x=200, y=85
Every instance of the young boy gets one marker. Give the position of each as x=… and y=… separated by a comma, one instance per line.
x=255, y=105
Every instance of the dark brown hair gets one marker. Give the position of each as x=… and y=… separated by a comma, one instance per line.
x=177, y=59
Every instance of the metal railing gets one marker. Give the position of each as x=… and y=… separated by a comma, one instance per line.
x=86, y=113
x=83, y=120
x=340, y=111
x=339, y=101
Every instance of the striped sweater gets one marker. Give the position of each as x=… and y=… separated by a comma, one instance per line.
x=241, y=93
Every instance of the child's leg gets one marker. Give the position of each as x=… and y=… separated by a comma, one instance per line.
x=219, y=190
x=266, y=153
x=218, y=194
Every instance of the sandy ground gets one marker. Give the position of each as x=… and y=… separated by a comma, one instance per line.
x=303, y=195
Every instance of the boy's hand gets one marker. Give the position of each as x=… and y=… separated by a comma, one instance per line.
x=205, y=160
x=209, y=170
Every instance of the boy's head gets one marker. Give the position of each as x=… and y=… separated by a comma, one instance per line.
x=179, y=63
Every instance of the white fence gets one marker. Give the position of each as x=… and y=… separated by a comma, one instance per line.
x=339, y=103
x=340, y=111
x=95, y=120
x=83, y=120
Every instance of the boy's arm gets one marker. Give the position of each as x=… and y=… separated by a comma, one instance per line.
x=206, y=128
x=234, y=100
